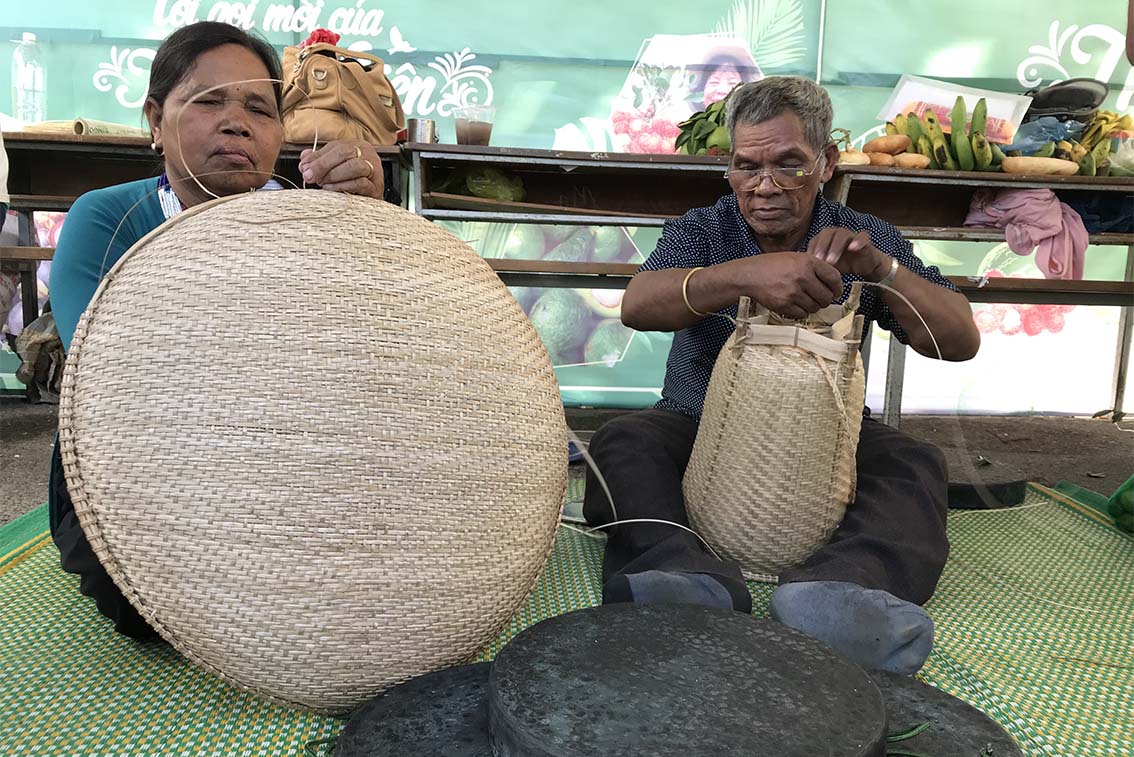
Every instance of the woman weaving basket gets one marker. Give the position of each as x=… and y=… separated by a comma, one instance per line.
x=779, y=242
x=213, y=106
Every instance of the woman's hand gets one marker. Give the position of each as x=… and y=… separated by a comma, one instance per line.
x=347, y=165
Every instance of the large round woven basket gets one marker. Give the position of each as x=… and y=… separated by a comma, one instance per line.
x=773, y=467
x=315, y=442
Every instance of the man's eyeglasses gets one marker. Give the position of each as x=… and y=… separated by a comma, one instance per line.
x=749, y=179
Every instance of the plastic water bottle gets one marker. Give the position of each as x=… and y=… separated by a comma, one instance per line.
x=29, y=82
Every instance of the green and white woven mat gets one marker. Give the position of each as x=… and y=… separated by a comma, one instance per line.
x=1035, y=626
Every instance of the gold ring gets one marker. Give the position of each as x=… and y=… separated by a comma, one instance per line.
x=357, y=151
x=371, y=166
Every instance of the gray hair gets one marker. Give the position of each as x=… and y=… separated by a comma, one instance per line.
x=759, y=101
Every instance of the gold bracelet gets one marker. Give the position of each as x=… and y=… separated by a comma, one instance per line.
x=685, y=294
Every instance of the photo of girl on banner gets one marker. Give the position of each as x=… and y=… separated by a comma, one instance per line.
x=731, y=65
x=673, y=77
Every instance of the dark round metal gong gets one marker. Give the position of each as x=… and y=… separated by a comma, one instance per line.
x=656, y=680
x=441, y=714
x=979, y=484
x=955, y=728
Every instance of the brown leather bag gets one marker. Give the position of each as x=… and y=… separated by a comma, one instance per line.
x=329, y=94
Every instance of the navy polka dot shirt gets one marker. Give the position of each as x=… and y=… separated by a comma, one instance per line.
x=709, y=236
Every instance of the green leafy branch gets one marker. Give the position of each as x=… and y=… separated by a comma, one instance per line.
x=773, y=30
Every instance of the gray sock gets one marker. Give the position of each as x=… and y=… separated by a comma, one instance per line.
x=868, y=626
x=659, y=586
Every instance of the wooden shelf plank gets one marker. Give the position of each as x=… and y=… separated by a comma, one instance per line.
x=985, y=179
x=549, y=273
x=994, y=290
x=475, y=154
x=41, y=202
x=26, y=254
x=1050, y=285
x=1047, y=291
x=501, y=265
x=445, y=201
x=976, y=234
x=56, y=140
x=23, y=139
x=536, y=217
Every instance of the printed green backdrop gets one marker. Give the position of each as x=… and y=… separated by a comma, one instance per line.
x=554, y=71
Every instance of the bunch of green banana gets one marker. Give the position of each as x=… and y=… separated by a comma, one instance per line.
x=1090, y=161
x=961, y=150
x=704, y=133
x=920, y=142
x=1105, y=123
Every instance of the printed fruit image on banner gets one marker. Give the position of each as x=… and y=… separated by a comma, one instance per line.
x=674, y=77
x=579, y=327
x=1010, y=319
x=604, y=363
x=563, y=243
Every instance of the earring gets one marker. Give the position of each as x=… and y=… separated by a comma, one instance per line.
x=155, y=148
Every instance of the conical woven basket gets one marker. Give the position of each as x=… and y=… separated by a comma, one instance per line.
x=315, y=442
x=773, y=467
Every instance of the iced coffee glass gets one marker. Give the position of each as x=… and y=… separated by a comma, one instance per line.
x=474, y=124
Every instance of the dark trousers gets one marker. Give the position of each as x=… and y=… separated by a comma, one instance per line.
x=76, y=556
x=892, y=538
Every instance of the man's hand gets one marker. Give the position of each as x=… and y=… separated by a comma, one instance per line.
x=789, y=283
x=850, y=252
x=349, y=166
x=947, y=315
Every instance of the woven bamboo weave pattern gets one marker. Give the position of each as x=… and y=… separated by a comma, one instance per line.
x=304, y=522
x=773, y=466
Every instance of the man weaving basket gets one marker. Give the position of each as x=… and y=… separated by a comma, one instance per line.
x=776, y=240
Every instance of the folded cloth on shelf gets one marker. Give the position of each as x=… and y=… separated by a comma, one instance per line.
x=1109, y=212
x=1035, y=219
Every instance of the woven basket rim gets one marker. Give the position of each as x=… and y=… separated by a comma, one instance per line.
x=86, y=510
x=88, y=520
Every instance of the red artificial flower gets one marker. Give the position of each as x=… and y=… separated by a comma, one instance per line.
x=321, y=36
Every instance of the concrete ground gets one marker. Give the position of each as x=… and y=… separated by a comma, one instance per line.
x=1096, y=454
x=27, y=433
